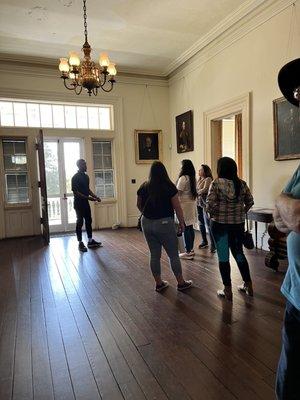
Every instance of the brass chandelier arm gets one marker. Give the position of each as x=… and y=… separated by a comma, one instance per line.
x=111, y=87
x=72, y=87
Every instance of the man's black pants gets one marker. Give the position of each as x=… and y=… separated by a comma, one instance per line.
x=83, y=212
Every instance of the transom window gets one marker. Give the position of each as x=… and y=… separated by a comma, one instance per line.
x=103, y=169
x=29, y=114
x=15, y=171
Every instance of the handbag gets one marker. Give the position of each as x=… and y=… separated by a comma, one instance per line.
x=248, y=242
x=139, y=223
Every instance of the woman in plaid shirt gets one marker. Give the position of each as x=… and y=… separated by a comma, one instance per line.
x=229, y=198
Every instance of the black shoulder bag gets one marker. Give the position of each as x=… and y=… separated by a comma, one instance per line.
x=139, y=224
x=247, y=237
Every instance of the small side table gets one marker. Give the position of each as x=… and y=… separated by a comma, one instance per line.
x=264, y=215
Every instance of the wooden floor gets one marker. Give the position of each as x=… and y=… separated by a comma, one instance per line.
x=90, y=326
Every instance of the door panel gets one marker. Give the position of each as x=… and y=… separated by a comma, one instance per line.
x=61, y=157
x=43, y=186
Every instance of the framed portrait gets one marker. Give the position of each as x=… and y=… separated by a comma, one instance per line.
x=148, y=146
x=286, y=118
x=185, y=132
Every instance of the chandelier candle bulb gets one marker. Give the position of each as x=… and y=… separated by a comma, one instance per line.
x=112, y=69
x=63, y=65
x=104, y=60
x=74, y=60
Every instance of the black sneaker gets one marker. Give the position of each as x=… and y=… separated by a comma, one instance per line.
x=93, y=244
x=162, y=286
x=184, y=286
x=82, y=247
x=202, y=245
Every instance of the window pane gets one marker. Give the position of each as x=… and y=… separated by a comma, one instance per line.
x=58, y=116
x=82, y=119
x=20, y=147
x=107, y=162
x=71, y=156
x=46, y=115
x=104, y=116
x=22, y=181
x=109, y=191
x=97, y=148
x=98, y=162
x=23, y=195
x=51, y=166
x=33, y=114
x=99, y=179
x=12, y=196
x=106, y=146
x=11, y=181
x=8, y=147
x=100, y=191
x=93, y=118
x=108, y=177
x=54, y=210
x=7, y=117
x=70, y=116
x=20, y=114
x=8, y=162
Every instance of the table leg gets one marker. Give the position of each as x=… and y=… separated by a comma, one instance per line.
x=255, y=225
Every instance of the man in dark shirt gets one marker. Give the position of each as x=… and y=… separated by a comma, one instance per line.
x=82, y=195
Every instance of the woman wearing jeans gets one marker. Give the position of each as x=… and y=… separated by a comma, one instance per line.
x=186, y=185
x=157, y=199
x=203, y=184
x=228, y=200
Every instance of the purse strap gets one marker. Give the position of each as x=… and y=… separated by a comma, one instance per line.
x=247, y=222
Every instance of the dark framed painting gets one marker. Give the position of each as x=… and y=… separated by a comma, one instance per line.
x=286, y=119
x=148, y=146
x=185, y=132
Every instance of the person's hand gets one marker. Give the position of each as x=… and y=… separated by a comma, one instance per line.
x=98, y=199
x=181, y=228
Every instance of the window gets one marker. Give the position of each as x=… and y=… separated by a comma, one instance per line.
x=17, y=113
x=103, y=169
x=15, y=171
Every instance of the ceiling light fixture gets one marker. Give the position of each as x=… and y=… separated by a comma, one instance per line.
x=78, y=74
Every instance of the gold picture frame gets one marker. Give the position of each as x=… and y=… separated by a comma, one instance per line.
x=148, y=145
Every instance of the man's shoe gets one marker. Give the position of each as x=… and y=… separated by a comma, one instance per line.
x=82, y=247
x=247, y=288
x=186, y=256
x=186, y=285
x=93, y=244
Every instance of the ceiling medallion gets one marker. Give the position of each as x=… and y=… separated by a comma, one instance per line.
x=78, y=74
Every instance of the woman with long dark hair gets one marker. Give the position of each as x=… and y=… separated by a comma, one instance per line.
x=186, y=185
x=229, y=199
x=157, y=199
x=203, y=184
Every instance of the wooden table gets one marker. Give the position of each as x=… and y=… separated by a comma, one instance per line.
x=264, y=215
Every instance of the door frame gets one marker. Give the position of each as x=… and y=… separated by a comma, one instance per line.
x=237, y=105
x=64, y=226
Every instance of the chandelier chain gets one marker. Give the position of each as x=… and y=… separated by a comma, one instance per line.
x=84, y=19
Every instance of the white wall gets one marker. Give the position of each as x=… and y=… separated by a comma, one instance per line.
x=250, y=64
x=128, y=97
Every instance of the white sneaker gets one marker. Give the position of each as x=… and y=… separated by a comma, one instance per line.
x=186, y=256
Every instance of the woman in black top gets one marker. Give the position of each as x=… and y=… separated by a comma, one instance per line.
x=157, y=199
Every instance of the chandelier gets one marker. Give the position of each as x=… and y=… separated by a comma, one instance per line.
x=78, y=74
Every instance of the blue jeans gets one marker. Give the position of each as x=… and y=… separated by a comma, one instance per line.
x=162, y=233
x=228, y=237
x=288, y=372
x=203, y=223
x=189, y=238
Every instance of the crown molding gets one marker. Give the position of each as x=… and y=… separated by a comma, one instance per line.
x=29, y=66
x=253, y=21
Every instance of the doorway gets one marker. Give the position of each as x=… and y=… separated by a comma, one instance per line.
x=227, y=140
x=61, y=155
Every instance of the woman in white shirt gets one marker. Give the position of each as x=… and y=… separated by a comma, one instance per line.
x=186, y=186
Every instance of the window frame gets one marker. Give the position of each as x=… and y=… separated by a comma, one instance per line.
x=111, y=141
x=8, y=205
x=64, y=104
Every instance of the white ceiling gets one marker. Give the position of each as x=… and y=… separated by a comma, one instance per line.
x=144, y=36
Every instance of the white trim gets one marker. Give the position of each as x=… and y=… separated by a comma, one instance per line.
x=236, y=105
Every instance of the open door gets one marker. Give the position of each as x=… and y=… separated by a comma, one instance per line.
x=42, y=186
